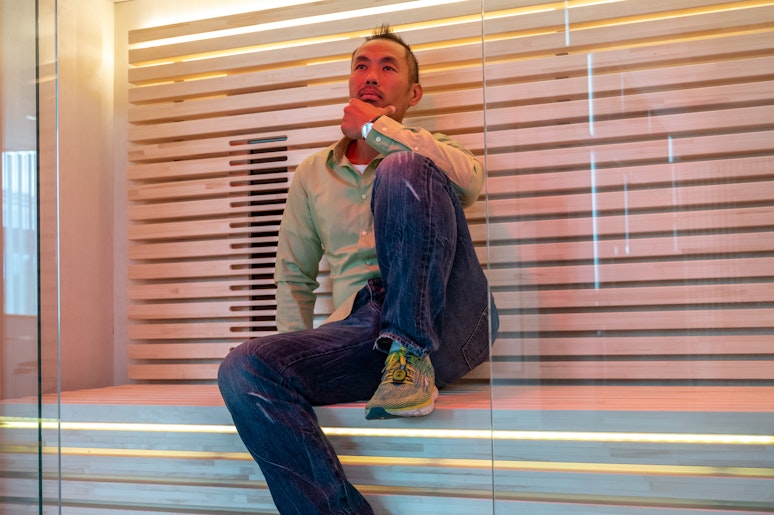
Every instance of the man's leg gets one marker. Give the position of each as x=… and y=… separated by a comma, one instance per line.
x=437, y=299
x=270, y=385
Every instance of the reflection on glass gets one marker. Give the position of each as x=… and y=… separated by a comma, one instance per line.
x=631, y=239
x=20, y=232
x=20, y=480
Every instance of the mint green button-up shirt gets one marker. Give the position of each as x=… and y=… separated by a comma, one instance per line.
x=328, y=213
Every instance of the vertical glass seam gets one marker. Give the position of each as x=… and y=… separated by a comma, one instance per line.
x=486, y=252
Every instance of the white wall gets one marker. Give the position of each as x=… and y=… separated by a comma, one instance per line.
x=86, y=192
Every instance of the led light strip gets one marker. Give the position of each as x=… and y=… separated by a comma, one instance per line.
x=298, y=22
x=475, y=434
x=418, y=4
x=410, y=461
x=368, y=11
x=344, y=15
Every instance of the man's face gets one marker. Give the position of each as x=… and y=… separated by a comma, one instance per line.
x=380, y=76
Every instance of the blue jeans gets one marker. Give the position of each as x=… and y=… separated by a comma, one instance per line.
x=433, y=296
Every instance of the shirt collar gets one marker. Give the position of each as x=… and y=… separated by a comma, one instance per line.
x=337, y=157
x=337, y=153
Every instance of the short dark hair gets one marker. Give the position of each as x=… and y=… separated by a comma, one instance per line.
x=385, y=32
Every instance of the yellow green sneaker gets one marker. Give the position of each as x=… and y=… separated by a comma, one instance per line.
x=407, y=388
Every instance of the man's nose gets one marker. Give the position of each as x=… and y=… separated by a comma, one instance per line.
x=371, y=78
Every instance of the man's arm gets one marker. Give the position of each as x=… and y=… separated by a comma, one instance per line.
x=462, y=167
x=298, y=259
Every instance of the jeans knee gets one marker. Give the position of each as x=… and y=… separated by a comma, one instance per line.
x=238, y=369
x=399, y=166
x=249, y=365
x=227, y=371
x=405, y=173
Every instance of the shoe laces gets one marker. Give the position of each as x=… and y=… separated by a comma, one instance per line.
x=399, y=367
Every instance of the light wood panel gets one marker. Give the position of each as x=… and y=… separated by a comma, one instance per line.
x=629, y=205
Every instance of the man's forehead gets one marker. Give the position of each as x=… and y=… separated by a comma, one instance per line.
x=379, y=49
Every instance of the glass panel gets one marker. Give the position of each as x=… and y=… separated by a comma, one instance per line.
x=631, y=242
x=49, y=250
x=28, y=365
x=139, y=407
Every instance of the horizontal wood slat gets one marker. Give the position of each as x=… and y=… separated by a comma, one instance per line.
x=204, y=329
x=695, y=370
x=234, y=287
x=603, y=320
x=676, y=297
x=633, y=200
x=642, y=346
x=679, y=223
x=528, y=347
x=629, y=205
x=637, y=176
x=548, y=371
x=603, y=274
x=665, y=247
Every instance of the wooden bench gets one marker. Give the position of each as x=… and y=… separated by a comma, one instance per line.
x=156, y=449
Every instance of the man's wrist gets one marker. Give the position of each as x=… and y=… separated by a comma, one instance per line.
x=366, y=128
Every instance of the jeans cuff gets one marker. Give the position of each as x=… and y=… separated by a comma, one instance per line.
x=384, y=342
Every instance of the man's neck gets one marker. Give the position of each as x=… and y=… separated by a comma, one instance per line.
x=361, y=153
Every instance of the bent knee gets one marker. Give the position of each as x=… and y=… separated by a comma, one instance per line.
x=401, y=158
x=401, y=165
x=238, y=362
x=227, y=367
x=252, y=359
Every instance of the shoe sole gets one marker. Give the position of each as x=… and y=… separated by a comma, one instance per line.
x=414, y=411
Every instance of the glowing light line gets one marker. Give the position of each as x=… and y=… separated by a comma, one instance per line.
x=389, y=432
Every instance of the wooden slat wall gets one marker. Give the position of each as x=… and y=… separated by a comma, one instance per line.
x=628, y=223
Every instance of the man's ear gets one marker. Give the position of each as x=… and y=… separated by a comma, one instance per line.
x=416, y=94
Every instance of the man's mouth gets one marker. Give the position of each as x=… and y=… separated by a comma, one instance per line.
x=370, y=95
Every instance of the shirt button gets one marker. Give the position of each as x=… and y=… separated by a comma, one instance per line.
x=363, y=233
x=363, y=196
x=378, y=139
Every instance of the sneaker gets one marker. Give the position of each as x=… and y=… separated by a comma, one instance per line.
x=407, y=388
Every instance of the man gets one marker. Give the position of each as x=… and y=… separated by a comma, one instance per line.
x=384, y=206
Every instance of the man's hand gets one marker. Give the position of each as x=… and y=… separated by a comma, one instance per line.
x=357, y=113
